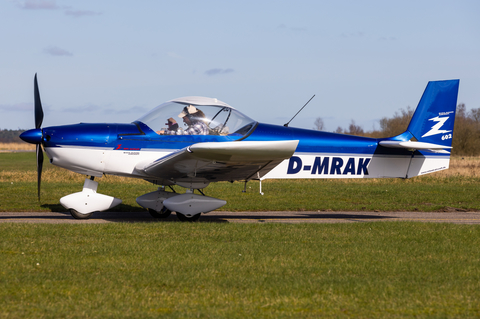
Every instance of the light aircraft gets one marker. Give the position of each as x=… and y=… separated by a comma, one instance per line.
x=220, y=143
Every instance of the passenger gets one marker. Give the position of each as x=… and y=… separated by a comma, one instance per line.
x=194, y=119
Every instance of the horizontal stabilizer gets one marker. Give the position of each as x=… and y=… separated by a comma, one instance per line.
x=415, y=145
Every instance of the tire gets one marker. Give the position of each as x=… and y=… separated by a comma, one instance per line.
x=184, y=218
x=77, y=215
x=163, y=213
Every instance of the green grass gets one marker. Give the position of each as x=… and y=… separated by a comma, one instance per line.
x=209, y=270
x=18, y=161
x=18, y=191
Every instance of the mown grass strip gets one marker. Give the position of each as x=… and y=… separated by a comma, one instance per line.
x=180, y=270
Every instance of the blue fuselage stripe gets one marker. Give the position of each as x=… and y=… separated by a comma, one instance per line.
x=137, y=136
x=315, y=141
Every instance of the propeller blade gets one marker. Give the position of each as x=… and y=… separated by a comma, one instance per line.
x=39, y=167
x=38, y=105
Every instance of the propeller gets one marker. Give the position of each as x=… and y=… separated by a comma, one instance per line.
x=39, y=168
x=38, y=124
x=35, y=136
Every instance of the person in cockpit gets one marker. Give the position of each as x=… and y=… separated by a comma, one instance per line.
x=195, y=120
x=172, y=126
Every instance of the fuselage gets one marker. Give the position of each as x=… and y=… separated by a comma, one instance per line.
x=125, y=149
x=117, y=149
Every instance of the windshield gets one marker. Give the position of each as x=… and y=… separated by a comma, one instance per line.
x=178, y=118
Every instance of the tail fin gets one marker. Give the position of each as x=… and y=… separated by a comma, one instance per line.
x=432, y=126
x=434, y=117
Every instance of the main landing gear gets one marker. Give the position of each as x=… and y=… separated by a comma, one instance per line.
x=184, y=218
x=188, y=206
x=163, y=213
x=160, y=203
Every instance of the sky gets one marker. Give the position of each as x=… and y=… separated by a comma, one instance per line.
x=113, y=61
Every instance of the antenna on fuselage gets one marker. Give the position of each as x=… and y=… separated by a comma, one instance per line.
x=286, y=124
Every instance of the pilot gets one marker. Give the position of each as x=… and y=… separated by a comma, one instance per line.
x=172, y=124
x=194, y=119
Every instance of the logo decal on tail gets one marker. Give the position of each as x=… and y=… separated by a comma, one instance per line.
x=436, y=128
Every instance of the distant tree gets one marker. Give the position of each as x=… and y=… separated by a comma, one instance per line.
x=397, y=124
x=10, y=136
x=318, y=124
x=466, y=133
x=475, y=115
x=338, y=130
x=354, y=129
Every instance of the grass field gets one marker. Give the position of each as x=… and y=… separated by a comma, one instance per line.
x=211, y=270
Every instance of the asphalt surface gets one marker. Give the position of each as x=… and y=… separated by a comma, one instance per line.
x=456, y=217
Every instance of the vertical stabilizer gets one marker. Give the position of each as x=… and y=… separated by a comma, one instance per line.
x=434, y=117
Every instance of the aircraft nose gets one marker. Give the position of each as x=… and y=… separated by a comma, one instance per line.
x=33, y=136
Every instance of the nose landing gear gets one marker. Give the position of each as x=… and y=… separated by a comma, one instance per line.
x=83, y=204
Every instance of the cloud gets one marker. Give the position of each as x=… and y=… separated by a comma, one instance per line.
x=382, y=39
x=52, y=5
x=90, y=108
x=19, y=107
x=174, y=55
x=298, y=29
x=139, y=110
x=218, y=71
x=353, y=35
x=38, y=5
x=81, y=13
x=294, y=29
x=93, y=108
x=56, y=51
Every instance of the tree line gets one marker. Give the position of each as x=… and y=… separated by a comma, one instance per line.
x=466, y=138
x=10, y=136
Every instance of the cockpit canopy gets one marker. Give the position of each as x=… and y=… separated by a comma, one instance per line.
x=220, y=118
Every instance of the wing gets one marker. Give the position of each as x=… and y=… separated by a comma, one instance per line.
x=202, y=163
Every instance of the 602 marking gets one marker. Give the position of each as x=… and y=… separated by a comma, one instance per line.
x=446, y=137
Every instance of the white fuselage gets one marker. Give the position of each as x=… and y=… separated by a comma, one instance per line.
x=96, y=161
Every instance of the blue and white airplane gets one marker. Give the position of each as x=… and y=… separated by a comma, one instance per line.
x=219, y=143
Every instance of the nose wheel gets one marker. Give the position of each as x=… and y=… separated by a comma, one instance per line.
x=78, y=215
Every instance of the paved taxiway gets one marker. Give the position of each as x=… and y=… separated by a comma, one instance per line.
x=251, y=217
